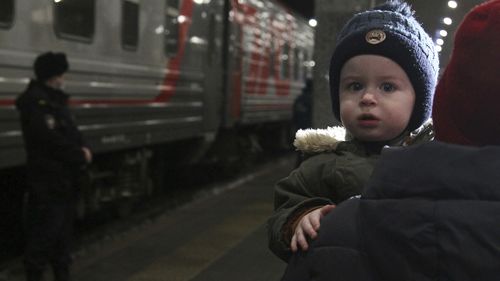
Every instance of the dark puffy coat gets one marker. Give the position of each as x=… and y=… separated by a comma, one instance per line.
x=429, y=212
x=52, y=140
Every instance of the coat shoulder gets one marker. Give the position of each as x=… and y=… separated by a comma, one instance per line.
x=33, y=95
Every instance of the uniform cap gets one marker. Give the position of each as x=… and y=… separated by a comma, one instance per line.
x=49, y=64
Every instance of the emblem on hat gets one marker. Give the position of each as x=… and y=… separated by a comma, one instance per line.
x=375, y=36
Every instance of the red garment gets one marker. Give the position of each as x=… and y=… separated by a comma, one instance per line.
x=467, y=101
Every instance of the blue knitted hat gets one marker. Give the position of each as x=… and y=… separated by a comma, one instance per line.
x=390, y=30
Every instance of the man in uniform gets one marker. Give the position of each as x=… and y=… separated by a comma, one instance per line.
x=56, y=154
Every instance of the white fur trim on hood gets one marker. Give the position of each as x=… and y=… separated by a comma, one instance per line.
x=319, y=140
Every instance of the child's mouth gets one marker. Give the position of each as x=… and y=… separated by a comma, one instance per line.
x=368, y=120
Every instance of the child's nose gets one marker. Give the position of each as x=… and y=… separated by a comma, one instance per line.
x=368, y=98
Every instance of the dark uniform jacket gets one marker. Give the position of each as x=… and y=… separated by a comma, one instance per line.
x=429, y=212
x=302, y=111
x=52, y=141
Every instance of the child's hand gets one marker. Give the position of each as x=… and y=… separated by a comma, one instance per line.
x=308, y=225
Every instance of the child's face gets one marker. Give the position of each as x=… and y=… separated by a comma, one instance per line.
x=376, y=98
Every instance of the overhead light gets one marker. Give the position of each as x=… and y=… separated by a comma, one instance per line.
x=447, y=21
x=182, y=19
x=452, y=4
x=443, y=33
x=440, y=41
x=313, y=22
x=439, y=48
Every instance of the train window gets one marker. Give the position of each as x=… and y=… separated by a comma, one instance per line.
x=171, y=31
x=130, y=24
x=75, y=19
x=285, y=61
x=6, y=13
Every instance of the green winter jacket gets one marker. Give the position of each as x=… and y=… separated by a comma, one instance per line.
x=337, y=171
x=327, y=178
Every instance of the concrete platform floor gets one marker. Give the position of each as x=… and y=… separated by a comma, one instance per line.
x=220, y=236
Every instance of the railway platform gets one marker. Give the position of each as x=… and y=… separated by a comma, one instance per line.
x=218, y=236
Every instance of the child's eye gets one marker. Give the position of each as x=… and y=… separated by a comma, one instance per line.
x=388, y=87
x=354, y=86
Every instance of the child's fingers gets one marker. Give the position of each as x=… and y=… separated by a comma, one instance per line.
x=326, y=209
x=314, y=220
x=293, y=243
x=298, y=240
x=307, y=226
x=302, y=241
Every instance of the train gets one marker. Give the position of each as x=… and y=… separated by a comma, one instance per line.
x=157, y=83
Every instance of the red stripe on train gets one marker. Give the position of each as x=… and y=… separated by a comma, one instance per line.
x=237, y=73
x=174, y=64
x=260, y=68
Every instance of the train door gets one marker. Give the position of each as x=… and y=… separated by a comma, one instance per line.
x=213, y=17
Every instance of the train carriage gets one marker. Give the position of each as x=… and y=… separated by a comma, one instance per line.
x=147, y=75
